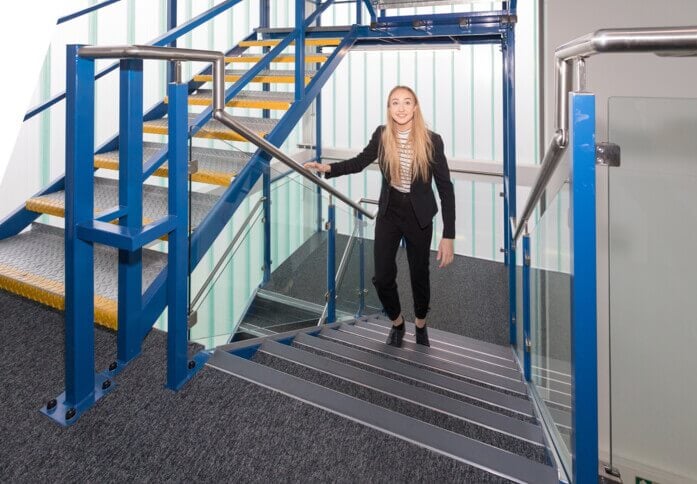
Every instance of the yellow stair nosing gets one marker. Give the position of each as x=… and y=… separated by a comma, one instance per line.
x=203, y=176
x=52, y=294
x=241, y=103
x=228, y=135
x=258, y=79
x=309, y=59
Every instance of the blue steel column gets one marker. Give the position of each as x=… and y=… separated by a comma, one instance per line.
x=264, y=22
x=359, y=12
x=318, y=139
x=171, y=23
x=331, y=262
x=299, y=49
x=79, y=254
x=527, y=366
x=130, y=276
x=584, y=351
x=177, y=256
x=509, y=168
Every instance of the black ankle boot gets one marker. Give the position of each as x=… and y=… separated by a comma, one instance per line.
x=422, y=336
x=396, y=335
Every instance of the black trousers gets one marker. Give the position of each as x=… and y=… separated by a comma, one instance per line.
x=400, y=221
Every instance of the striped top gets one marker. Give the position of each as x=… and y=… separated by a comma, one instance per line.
x=406, y=155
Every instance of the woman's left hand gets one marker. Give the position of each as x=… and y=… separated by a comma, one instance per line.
x=445, y=252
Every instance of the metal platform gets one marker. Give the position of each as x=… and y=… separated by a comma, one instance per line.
x=106, y=196
x=32, y=266
x=214, y=129
x=217, y=167
x=280, y=76
x=247, y=99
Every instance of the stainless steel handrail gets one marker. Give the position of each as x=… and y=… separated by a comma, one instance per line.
x=663, y=41
x=218, y=61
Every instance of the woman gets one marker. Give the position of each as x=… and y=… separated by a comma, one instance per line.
x=410, y=156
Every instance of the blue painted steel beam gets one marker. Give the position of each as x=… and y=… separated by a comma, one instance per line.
x=371, y=10
x=85, y=11
x=527, y=366
x=331, y=263
x=171, y=25
x=300, y=49
x=314, y=16
x=584, y=331
x=125, y=238
x=111, y=214
x=359, y=12
x=130, y=269
x=177, y=255
x=226, y=205
x=264, y=14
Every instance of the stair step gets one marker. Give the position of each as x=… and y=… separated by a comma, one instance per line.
x=106, y=196
x=32, y=265
x=217, y=167
x=486, y=457
x=474, y=358
x=432, y=359
x=449, y=414
x=502, y=402
x=346, y=336
x=282, y=76
x=445, y=338
x=438, y=403
x=214, y=129
x=281, y=58
x=247, y=99
x=328, y=42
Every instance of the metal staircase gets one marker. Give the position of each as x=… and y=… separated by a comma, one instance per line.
x=462, y=398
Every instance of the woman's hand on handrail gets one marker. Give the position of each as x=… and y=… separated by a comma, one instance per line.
x=319, y=167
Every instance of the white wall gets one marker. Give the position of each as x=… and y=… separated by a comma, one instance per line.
x=652, y=455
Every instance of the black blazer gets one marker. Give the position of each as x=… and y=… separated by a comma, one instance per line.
x=421, y=195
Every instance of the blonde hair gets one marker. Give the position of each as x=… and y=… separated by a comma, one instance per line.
x=419, y=140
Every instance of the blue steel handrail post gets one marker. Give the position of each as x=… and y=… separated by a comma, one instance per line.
x=171, y=24
x=178, y=370
x=359, y=12
x=299, y=49
x=527, y=341
x=82, y=386
x=584, y=350
x=331, y=261
x=130, y=267
x=266, y=189
x=509, y=167
x=361, y=265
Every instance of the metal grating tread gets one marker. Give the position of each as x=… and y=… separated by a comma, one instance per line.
x=248, y=99
x=106, y=196
x=323, y=42
x=270, y=72
x=253, y=58
x=214, y=165
x=215, y=129
x=32, y=265
x=284, y=76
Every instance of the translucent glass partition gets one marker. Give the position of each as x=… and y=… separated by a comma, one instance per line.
x=550, y=307
x=653, y=276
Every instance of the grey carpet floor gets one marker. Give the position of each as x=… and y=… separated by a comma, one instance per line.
x=469, y=297
x=217, y=429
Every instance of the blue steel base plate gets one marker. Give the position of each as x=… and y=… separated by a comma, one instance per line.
x=58, y=413
x=200, y=360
